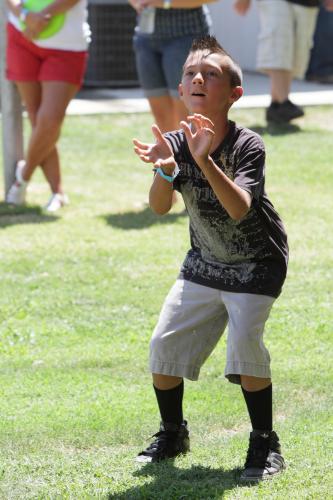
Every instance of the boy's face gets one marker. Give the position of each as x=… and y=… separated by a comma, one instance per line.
x=205, y=86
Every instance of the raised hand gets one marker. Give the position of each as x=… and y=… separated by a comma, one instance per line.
x=160, y=153
x=200, y=140
x=242, y=6
x=36, y=22
x=138, y=5
x=328, y=4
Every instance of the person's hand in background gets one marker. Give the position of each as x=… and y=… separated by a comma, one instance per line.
x=242, y=6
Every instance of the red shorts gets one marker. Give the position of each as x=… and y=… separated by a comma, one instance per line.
x=26, y=62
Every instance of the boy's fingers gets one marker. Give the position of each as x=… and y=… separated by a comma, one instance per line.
x=208, y=122
x=157, y=133
x=196, y=120
x=203, y=119
x=209, y=130
x=139, y=150
x=187, y=130
x=198, y=117
x=184, y=124
x=191, y=118
x=142, y=155
x=145, y=158
x=140, y=144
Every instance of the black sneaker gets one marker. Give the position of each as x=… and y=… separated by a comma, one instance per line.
x=171, y=440
x=283, y=112
x=264, y=458
x=320, y=78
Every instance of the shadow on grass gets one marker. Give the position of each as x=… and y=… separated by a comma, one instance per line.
x=276, y=129
x=140, y=220
x=168, y=482
x=11, y=215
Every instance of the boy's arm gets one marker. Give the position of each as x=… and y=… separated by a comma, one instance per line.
x=161, y=156
x=161, y=196
x=233, y=198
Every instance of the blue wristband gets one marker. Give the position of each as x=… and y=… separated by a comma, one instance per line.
x=169, y=178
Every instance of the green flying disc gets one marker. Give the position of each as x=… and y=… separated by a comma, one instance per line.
x=56, y=22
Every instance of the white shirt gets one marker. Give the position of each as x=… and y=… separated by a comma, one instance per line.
x=74, y=35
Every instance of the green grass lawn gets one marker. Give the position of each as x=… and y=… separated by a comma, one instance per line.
x=80, y=293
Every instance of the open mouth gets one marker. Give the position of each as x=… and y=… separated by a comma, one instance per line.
x=199, y=94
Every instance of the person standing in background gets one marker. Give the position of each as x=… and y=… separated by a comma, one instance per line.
x=47, y=67
x=162, y=39
x=321, y=61
x=284, y=44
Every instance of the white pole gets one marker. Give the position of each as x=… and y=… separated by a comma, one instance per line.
x=11, y=110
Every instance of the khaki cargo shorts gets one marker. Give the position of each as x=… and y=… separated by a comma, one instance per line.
x=193, y=319
x=286, y=36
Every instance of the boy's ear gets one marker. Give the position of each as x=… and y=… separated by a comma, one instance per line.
x=180, y=90
x=236, y=93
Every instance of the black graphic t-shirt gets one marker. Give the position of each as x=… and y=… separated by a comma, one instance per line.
x=249, y=255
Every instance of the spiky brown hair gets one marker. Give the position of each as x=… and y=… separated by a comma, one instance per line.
x=210, y=44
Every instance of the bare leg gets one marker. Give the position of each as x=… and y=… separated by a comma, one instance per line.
x=31, y=95
x=168, y=112
x=165, y=382
x=181, y=112
x=280, y=84
x=51, y=170
x=46, y=119
x=253, y=384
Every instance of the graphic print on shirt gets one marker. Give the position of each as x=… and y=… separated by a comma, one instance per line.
x=244, y=255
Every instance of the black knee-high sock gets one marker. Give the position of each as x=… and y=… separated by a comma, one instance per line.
x=259, y=405
x=170, y=403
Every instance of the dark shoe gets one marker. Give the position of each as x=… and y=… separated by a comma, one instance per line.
x=320, y=78
x=264, y=459
x=283, y=112
x=171, y=440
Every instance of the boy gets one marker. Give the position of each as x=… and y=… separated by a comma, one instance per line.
x=236, y=265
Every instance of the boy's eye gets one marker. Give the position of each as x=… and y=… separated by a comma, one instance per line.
x=211, y=73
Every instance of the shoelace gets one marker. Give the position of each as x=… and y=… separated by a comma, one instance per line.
x=257, y=455
x=159, y=444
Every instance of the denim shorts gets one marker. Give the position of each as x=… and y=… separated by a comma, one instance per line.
x=159, y=63
x=193, y=319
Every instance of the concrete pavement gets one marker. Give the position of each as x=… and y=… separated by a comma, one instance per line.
x=256, y=95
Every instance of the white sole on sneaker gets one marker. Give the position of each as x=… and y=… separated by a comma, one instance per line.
x=19, y=172
x=17, y=192
x=57, y=201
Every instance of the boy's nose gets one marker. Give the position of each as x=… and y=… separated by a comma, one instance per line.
x=198, y=78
